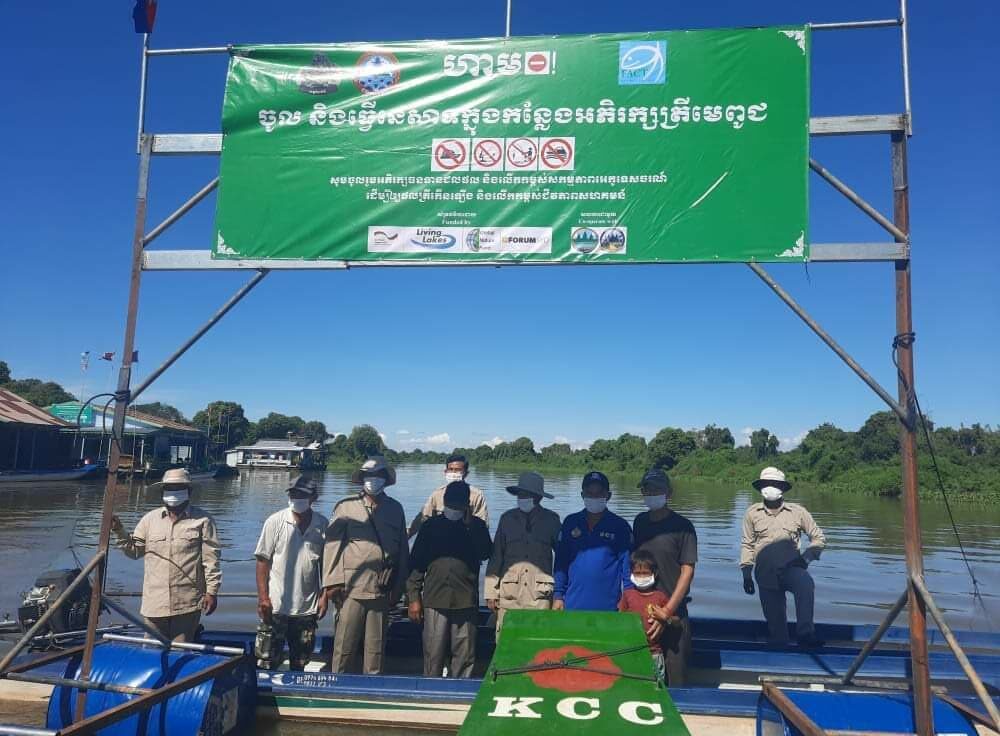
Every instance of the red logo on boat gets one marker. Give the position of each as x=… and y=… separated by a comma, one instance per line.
x=596, y=672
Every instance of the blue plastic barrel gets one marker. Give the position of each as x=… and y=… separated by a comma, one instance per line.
x=216, y=707
x=881, y=712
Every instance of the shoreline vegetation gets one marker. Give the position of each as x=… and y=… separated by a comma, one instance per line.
x=828, y=460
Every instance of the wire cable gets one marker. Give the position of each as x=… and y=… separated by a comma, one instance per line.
x=906, y=339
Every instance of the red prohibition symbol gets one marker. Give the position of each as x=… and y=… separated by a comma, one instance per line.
x=450, y=154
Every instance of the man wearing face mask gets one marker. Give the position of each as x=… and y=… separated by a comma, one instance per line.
x=456, y=468
x=365, y=565
x=519, y=573
x=290, y=598
x=179, y=545
x=592, y=566
x=770, y=548
x=443, y=588
x=673, y=543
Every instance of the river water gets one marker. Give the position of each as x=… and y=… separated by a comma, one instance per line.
x=859, y=576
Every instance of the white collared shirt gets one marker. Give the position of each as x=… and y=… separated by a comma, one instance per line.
x=296, y=559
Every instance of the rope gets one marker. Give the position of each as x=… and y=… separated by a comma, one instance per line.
x=906, y=340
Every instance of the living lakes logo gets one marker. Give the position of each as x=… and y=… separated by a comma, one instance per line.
x=432, y=238
x=642, y=62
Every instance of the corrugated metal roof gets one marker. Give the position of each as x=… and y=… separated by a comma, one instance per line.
x=271, y=445
x=15, y=409
x=137, y=422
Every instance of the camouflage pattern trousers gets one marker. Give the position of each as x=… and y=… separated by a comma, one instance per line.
x=299, y=632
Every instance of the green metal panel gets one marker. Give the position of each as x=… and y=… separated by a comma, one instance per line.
x=647, y=147
x=68, y=411
x=613, y=691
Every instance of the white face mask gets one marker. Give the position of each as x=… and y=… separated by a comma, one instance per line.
x=654, y=503
x=452, y=476
x=374, y=486
x=772, y=494
x=177, y=497
x=526, y=504
x=643, y=582
x=299, y=505
x=595, y=505
x=453, y=514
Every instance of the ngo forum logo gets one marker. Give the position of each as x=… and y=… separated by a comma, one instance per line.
x=376, y=71
x=432, y=238
x=642, y=62
x=382, y=237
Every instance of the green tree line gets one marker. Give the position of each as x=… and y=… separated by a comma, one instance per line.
x=828, y=458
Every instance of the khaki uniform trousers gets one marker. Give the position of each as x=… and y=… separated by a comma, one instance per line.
x=450, y=631
x=361, y=627
x=183, y=627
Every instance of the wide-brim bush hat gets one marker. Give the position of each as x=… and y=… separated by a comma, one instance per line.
x=532, y=483
x=372, y=466
x=771, y=477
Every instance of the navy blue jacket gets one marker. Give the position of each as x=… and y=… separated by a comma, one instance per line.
x=592, y=566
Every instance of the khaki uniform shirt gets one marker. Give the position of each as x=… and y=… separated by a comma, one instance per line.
x=519, y=573
x=770, y=539
x=435, y=505
x=181, y=560
x=353, y=557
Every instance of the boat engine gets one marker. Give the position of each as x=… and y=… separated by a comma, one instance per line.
x=47, y=589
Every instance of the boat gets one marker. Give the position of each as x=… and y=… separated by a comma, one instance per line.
x=84, y=472
x=728, y=660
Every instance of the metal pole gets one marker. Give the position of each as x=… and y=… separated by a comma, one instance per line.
x=133, y=619
x=124, y=378
x=876, y=637
x=507, y=32
x=11, y=730
x=831, y=343
x=181, y=211
x=223, y=310
x=862, y=205
x=141, y=127
x=949, y=636
x=187, y=646
x=884, y=23
x=791, y=711
x=904, y=26
x=923, y=715
x=78, y=684
x=29, y=635
x=193, y=50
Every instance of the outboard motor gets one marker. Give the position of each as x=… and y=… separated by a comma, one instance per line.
x=47, y=589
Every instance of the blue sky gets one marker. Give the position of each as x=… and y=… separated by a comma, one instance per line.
x=461, y=356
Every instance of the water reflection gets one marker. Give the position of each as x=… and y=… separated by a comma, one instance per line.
x=859, y=576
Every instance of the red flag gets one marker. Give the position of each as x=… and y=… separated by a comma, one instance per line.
x=107, y=356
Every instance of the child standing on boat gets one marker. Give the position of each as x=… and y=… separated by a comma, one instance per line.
x=647, y=600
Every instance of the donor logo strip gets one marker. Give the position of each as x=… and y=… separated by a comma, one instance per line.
x=521, y=240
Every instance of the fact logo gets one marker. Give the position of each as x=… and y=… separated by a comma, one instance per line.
x=432, y=238
x=376, y=71
x=642, y=62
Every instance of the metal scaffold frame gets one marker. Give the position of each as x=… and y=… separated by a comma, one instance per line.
x=896, y=250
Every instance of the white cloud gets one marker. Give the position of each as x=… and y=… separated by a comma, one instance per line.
x=744, y=436
x=495, y=441
x=790, y=443
x=561, y=440
x=442, y=439
x=382, y=435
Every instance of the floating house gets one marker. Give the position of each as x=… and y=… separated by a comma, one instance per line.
x=30, y=437
x=283, y=454
x=149, y=443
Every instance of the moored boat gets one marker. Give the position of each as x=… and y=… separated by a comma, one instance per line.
x=93, y=470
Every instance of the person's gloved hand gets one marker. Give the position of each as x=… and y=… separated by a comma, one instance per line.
x=748, y=581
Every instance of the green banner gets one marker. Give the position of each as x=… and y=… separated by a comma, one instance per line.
x=586, y=673
x=647, y=147
x=70, y=410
